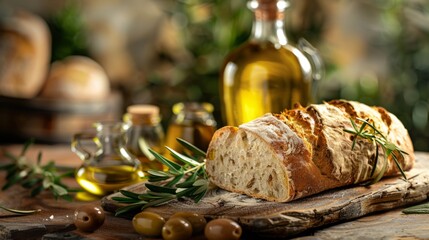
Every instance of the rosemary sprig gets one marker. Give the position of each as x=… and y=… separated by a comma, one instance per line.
x=36, y=177
x=185, y=178
x=418, y=209
x=19, y=211
x=368, y=131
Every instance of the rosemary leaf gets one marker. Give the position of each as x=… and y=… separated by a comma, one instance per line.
x=123, y=199
x=130, y=208
x=199, y=154
x=129, y=194
x=158, y=173
x=172, y=166
x=174, y=180
x=17, y=211
x=157, y=188
x=158, y=202
x=183, y=158
x=418, y=209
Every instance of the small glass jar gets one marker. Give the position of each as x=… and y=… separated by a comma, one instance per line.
x=145, y=133
x=192, y=122
x=108, y=166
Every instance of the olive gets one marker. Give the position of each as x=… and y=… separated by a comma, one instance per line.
x=197, y=221
x=148, y=224
x=222, y=228
x=88, y=218
x=177, y=228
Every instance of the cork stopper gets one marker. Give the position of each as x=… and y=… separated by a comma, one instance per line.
x=142, y=114
x=268, y=9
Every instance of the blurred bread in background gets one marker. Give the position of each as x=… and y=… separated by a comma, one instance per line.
x=25, y=53
x=76, y=78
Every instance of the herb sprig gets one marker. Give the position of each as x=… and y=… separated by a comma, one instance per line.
x=418, y=209
x=185, y=178
x=368, y=131
x=36, y=177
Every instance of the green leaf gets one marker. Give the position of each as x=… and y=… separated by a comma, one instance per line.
x=157, y=179
x=158, y=173
x=154, y=195
x=31, y=182
x=159, y=202
x=174, y=167
x=189, y=181
x=26, y=146
x=59, y=190
x=24, y=212
x=124, y=199
x=12, y=180
x=196, y=151
x=183, y=192
x=396, y=161
x=7, y=166
x=67, y=197
x=36, y=191
x=156, y=188
x=418, y=209
x=129, y=194
x=174, y=180
x=199, y=196
x=182, y=158
x=130, y=208
x=200, y=182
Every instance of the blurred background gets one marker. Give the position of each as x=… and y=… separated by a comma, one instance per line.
x=167, y=51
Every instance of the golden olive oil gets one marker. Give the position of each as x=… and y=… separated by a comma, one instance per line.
x=196, y=133
x=263, y=77
x=102, y=180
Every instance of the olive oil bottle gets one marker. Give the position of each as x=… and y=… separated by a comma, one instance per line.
x=266, y=74
x=192, y=122
x=145, y=133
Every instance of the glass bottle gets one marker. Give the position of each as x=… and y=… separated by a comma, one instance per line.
x=145, y=133
x=192, y=122
x=266, y=73
x=107, y=164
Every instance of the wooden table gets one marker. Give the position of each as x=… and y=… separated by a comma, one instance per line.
x=56, y=219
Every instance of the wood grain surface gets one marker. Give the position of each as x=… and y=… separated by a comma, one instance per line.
x=262, y=219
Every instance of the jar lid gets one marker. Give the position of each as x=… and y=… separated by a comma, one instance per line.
x=142, y=114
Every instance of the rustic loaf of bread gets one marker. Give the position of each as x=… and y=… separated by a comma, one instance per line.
x=25, y=51
x=303, y=151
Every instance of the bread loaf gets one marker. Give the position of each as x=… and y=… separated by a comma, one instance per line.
x=25, y=51
x=303, y=151
x=76, y=78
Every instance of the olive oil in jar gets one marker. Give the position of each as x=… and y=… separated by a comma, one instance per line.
x=101, y=181
x=108, y=166
x=192, y=122
x=266, y=74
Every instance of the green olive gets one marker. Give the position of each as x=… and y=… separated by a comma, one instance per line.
x=88, y=218
x=197, y=221
x=222, y=228
x=148, y=224
x=177, y=228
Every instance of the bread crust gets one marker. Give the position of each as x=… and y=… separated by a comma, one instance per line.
x=309, y=149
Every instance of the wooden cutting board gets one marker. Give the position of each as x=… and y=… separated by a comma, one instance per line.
x=263, y=219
